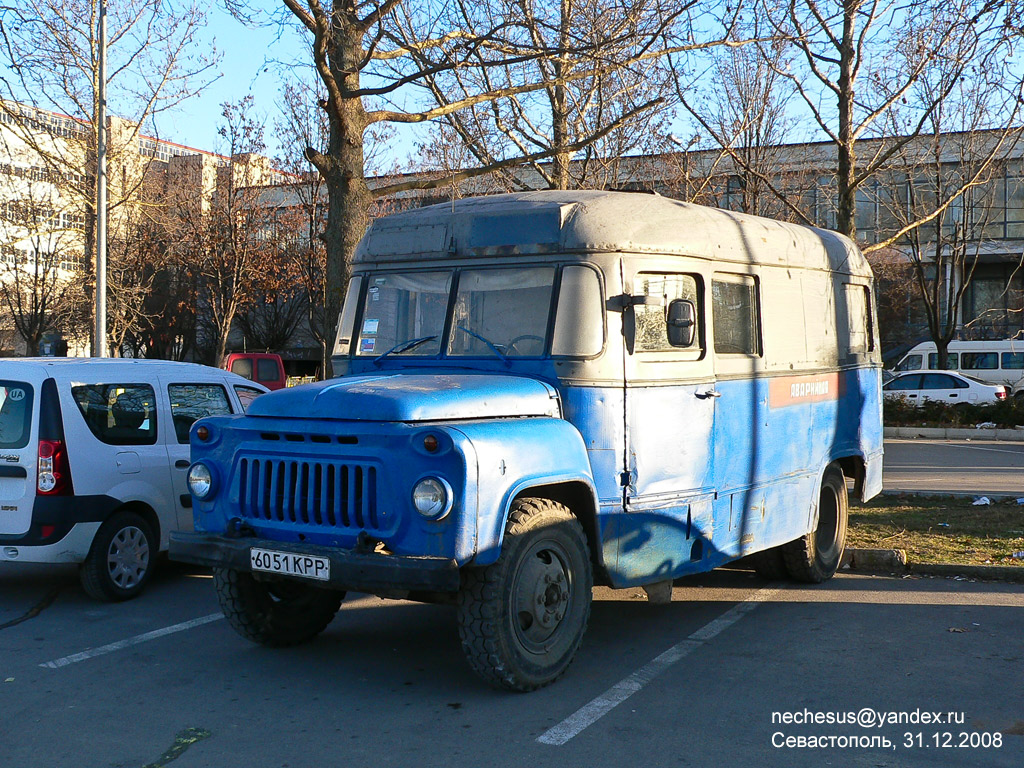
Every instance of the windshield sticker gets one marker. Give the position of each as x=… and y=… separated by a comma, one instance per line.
x=16, y=394
x=370, y=326
x=367, y=345
x=381, y=281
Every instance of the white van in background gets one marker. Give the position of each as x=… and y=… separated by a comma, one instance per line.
x=93, y=457
x=997, y=362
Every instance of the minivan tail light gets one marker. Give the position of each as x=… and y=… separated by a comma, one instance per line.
x=53, y=473
x=1000, y=394
x=53, y=476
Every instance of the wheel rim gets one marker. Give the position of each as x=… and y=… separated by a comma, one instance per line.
x=542, y=596
x=826, y=537
x=128, y=557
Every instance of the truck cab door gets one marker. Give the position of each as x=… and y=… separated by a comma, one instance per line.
x=670, y=401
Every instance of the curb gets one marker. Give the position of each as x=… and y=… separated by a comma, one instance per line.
x=894, y=561
x=954, y=433
x=995, y=498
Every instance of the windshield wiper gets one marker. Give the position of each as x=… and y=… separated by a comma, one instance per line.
x=405, y=346
x=490, y=345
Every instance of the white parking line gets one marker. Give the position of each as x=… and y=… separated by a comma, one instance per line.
x=122, y=644
x=590, y=713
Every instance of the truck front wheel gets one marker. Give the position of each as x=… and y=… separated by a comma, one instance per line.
x=522, y=619
x=274, y=613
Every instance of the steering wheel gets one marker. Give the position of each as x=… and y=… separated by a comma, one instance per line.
x=523, y=337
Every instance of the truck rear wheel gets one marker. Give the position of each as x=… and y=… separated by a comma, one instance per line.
x=274, y=613
x=815, y=556
x=522, y=619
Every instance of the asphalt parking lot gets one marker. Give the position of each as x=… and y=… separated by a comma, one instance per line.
x=725, y=675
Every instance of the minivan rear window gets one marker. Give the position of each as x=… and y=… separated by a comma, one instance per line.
x=243, y=367
x=267, y=370
x=118, y=414
x=15, y=413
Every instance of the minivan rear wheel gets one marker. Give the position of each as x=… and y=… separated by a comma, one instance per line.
x=120, y=560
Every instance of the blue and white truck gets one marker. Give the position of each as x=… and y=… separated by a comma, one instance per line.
x=542, y=391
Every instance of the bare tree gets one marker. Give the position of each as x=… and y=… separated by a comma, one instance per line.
x=137, y=254
x=603, y=95
x=40, y=247
x=278, y=304
x=49, y=61
x=37, y=290
x=227, y=235
x=942, y=197
x=369, y=54
x=855, y=60
x=744, y=111
x=960, y=191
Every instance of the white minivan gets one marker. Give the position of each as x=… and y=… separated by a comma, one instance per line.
x=996, y=362
x=93, y=458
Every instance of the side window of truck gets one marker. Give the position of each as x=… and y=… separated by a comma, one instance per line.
x=652, y=319
x=579, y=317
x=735, y=314
x=858, y=318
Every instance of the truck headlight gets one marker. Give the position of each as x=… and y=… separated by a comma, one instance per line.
x=432, y=498
x=200, y=480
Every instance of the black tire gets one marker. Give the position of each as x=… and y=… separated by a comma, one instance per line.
x=522, y=619
x=770, y=564
x=815, y=557
x=121, y=558
x=274, y=613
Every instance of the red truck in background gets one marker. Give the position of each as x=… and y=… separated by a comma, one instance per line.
x=266, y=368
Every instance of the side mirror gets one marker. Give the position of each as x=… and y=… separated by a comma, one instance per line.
x=682, y=323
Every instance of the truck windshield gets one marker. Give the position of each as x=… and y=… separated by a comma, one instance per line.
x=501, y=312
x=402, y=308
x=506, y=307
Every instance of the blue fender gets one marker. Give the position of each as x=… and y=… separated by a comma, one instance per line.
x=514, y=456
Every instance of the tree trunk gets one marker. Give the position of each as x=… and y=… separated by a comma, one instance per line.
x=559, y=114
x=342, y=168
x=846, y=212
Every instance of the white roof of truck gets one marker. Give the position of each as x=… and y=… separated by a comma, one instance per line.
x=528, y=223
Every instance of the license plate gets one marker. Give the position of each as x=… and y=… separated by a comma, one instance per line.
x=306, y=566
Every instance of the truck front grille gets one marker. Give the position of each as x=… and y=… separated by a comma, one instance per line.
x=323, y=493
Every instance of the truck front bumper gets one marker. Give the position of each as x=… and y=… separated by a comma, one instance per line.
x=350, y=570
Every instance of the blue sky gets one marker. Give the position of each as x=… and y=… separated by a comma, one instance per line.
x=246, y=66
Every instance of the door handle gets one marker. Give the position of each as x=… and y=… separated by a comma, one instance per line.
x=708, y=393
x=181, y=464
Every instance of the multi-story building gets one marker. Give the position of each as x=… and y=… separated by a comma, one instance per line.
x=977, y=180
x=46, y=193
x=47, y=211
